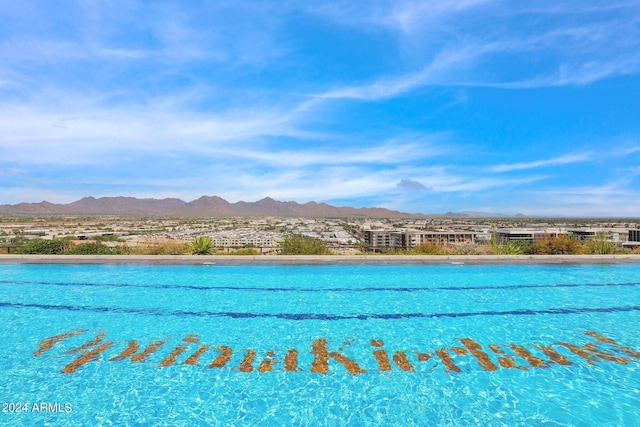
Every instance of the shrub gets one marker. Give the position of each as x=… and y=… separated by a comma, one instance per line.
x=600, y=246
x=201, y=245
x=108, y=238
x=428, y=249
x=156, y=246
x=247, y=251
x=507, y=248
x=91, y=248
x=303, y=245
x=469, y=249
x=561, y=245
x=44, y=247
x=166, y=248
x=528, y=248
x=512, y=248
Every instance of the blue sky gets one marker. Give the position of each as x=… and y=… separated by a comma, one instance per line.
x=421, y=106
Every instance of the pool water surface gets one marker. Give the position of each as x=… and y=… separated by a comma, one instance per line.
x=320, y=345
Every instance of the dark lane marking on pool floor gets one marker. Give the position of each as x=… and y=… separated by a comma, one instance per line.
x=315, y=290
x=319, y=316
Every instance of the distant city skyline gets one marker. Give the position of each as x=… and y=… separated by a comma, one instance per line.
x=416, y=106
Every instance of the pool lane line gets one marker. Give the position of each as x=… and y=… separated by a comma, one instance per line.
x=320, y=316
x=297, y=289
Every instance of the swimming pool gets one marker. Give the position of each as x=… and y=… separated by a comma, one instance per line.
x=320, y=345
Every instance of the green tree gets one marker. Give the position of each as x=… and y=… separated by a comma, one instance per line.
x=303, y=245
x=201, y=245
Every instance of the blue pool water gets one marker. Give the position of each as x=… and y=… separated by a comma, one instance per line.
x=337, y=345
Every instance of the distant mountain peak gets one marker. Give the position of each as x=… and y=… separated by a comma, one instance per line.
x=205, y=206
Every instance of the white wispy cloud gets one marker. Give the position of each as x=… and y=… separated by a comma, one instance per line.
x=394, y=151
x=561, y=160
x=625, y=151
x=169, y=33
x=435, y=73
x=12, y=172
x=455, y=67
x=613, y=199
x=89, y=130
x=574, y=74
x=475, y=184
x=414, y=16
x=337, y=182
x=152, y=151
x=579, y=53
x=404, y=16
x=95, y=131
x=6, y=83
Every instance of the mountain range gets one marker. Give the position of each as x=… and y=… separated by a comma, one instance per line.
x=205, y=206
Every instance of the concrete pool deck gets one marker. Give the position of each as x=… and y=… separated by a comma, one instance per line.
x=318, y=260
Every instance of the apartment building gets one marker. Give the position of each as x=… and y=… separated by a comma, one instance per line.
x=527, y=234
x=412, y=239
x=611, y=234
x=408, y=239
x=377, y=239
x=239, y=240
x=633, y=241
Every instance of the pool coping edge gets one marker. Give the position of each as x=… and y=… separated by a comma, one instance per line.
x=318, y=260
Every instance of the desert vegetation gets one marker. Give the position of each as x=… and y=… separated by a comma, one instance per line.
x=157, y=246
x=246, y=251
x=561, y=245
x=600, y=245
x=303, y=245
x=201, y=245
x=44, y=247
x=95, y=248
x=68, y=247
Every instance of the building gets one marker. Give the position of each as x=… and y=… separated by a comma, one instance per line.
x=377, y=239
x=610, y=234
x=531, y=235
x=414, y=238
x=408, y=239
x=246, y=238
x=633, y=242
